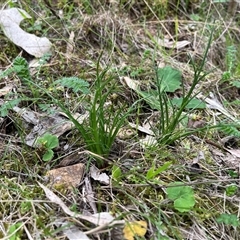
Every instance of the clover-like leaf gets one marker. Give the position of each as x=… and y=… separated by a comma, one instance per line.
x=183, y=196
x=49, y=141
x=48, y=155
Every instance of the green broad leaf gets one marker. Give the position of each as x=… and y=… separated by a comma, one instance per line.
x=174, y=191
x=236, y=83
x=49, y=141
x=116, y=173
x=151, y=97
x=183, y=196
x=193, y=104
x=228, y=219
x=184, y=203
x=75, y=83
x=169, y=78
x=152, y=172
x=48, y=155
x=52, y=141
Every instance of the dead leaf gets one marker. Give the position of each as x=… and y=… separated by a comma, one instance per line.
x=71, y=159
x=195, y=167
x=69, y=176
x=10, y=20
x=195, y=122
x=132, y=84
x=77, y=116
x=70, y=45
x=148, y=141
x=70, y=231
x=5, y=90
x=98, y=176
x=97, y=219
x=54, y=124
x=142, y=129
x=214, y=103
x=28, y=115
x=230, y=142
x=134, y=229
x=166, y=43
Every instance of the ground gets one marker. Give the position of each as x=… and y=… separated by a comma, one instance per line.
x=119, y=73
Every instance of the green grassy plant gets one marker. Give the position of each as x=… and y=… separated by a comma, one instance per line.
x=100, y=129
x=173, y=111
x=72, y=81
x=103, y=122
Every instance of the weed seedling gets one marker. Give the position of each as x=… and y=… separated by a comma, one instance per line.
x=183, y=196
x=47, y=142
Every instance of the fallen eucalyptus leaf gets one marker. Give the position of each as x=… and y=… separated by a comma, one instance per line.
x=235, y=152
x=214, y=103
x=101, y=218
x=70, y=231
x=10, y=20
x=142, y=129
x=172, y=44
x=132, y=84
